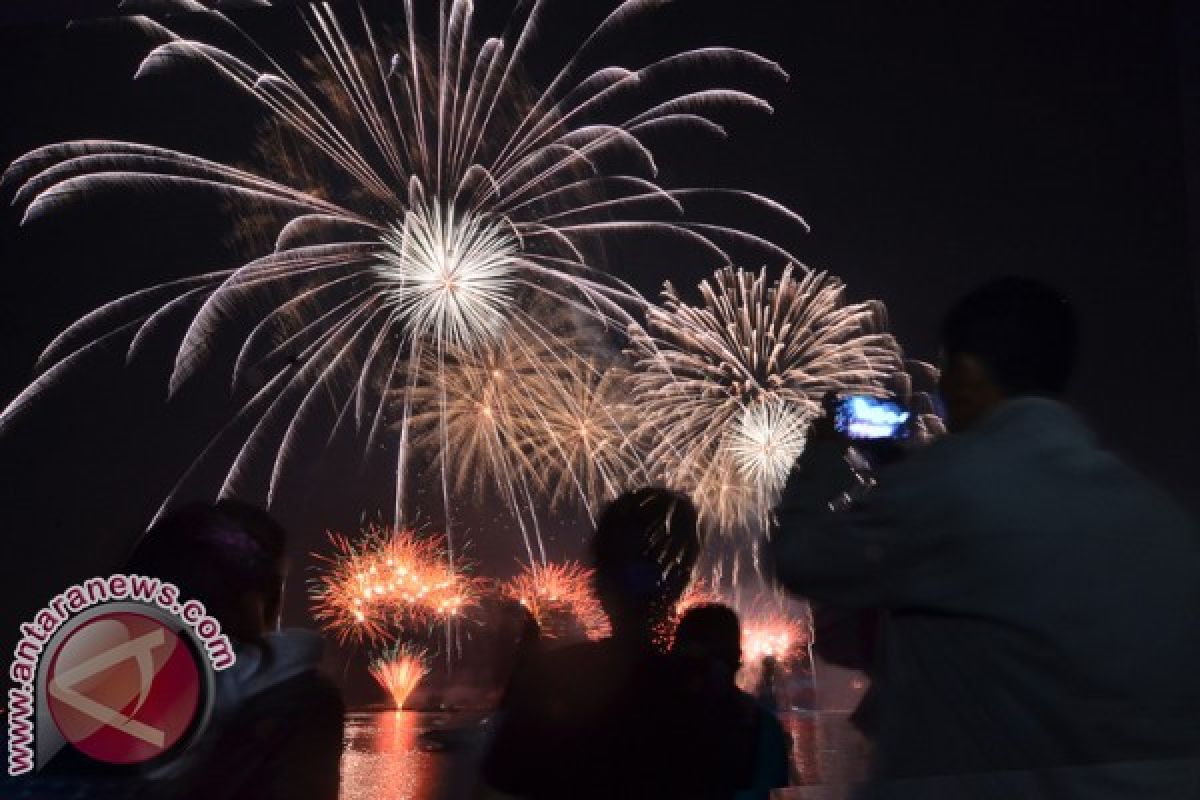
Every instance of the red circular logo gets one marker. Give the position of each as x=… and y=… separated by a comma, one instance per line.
x=123, y=687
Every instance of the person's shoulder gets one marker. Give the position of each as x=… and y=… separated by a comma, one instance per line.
x=1132, y=499
x=928, y=472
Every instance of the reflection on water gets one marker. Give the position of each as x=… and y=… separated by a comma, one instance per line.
x=826, y=749
x=414, y=755
x=410, y=755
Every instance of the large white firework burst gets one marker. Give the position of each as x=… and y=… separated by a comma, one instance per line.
x=452, y=277
x=727, y=387
x=766, y=441
x=423, y=197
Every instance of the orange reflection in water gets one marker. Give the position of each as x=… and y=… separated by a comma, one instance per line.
x=382, y=759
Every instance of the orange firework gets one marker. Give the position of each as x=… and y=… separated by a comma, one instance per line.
x=399, y=671
x=698, y=593
x=772, y=634
x=389, y=579
x=766, y=629
x=769, y=631
x=560, y=597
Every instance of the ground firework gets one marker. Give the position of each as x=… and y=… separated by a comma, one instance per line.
x=399, y=670
x=561, y=598
x=776, y=635
x=727, y=388
x=386, y=581
x=421, y=198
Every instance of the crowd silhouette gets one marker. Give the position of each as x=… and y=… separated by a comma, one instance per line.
x=1021, y=600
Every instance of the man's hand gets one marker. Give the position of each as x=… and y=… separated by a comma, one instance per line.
x=821, y=473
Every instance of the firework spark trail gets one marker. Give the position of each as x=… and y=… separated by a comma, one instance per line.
x=698, y=593
x=528, y=415
x=727, y=387
x=471, y=418
x=427, y=198
x=582, y=438
x=389, y=580
x=399, y=670
x=916, y=388
x=561, y=598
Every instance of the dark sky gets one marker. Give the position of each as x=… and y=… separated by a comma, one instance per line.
x=931, y=145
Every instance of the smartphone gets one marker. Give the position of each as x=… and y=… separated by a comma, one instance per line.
x=861, y=416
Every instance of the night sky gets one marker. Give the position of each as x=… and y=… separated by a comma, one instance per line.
x=931, y=145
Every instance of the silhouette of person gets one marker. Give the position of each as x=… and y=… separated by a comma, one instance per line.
x=766, y=690
x=276, y=729
x=516, y=642
x=708, y=645
x=1039, y=636
x=611, y=718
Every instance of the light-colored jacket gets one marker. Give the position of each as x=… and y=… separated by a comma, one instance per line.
x=1042, y=625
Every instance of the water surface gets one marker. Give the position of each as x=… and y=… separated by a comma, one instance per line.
x=418, y=755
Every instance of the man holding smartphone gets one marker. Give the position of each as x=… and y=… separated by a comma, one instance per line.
x=1039, y=598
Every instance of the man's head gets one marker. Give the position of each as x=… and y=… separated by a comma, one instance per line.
x=229, y=556
x=645, y=546
x=710, y=631
x=1011, y=337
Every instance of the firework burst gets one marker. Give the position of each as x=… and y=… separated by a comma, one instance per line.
x=770, y=625
x=728, y=387
x=473, y=410
x=561, y=598
x=698, y=593
x=529, y=418
x=767, y=440
x=776, y=635
x=423, y=197
x=389, y=580
x=399, y=670
x=582, y=437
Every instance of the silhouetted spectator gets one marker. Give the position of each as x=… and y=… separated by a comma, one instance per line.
x=766, y=692
x=612, y=718
x=708, y=643
x=516, y=642
x=1040, y=637
x=276, y=729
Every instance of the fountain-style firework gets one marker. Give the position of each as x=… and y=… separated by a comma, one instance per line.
x=399, y=670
